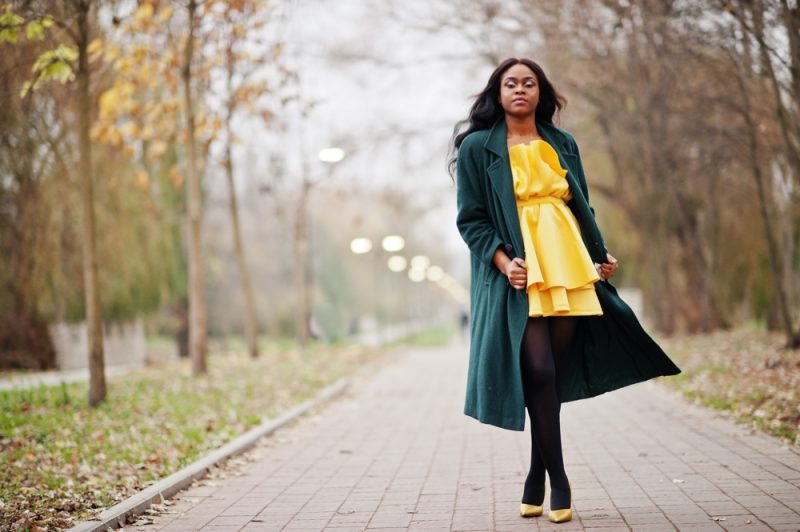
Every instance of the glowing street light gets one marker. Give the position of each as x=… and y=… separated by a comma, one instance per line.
x=446, y=281
x=416, y=275
x=393, y=243
x=397, y=263
x=331, y=155
x=420, y=262
x=434, y=273
x=360, y=245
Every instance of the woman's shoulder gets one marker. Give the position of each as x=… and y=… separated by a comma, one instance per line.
x=475, y=140
x=566, y=135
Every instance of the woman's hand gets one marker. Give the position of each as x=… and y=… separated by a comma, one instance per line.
x=517, y=273
x=608, y=269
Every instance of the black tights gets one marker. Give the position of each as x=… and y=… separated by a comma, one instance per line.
x=545, y=347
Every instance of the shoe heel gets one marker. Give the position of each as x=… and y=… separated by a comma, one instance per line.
x=561, y=515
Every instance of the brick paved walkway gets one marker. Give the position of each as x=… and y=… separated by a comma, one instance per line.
x=396, y=453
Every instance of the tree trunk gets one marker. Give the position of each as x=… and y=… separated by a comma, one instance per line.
x=250, y=324
x=180, y=311
x=792, y=340
x=786, y=118
x=94, y=325
x=301, y=268
x=197, y=305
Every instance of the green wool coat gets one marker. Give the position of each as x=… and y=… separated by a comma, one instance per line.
x=608, y=352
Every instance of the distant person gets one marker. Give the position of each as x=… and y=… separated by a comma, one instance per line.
x=548, y=326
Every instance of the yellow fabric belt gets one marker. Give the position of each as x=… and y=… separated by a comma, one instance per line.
x=535, y=200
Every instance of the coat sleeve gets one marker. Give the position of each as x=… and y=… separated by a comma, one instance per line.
x=473, y=220
x=582, y=176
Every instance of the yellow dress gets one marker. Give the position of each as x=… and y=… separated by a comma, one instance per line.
x=561, y=274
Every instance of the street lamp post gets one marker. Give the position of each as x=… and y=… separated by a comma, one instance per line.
x=303, y=270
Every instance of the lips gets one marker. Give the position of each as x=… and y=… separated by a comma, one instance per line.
x=519, y=100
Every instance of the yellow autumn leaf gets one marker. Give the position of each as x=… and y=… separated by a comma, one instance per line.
x=175, y=177
x=111, y=53
x=215, y=125
x=97, y=131
x=157, y=149
x=129, y=128
x=126, y=89
x=108, y=102
x=125, y=65
x=34, y=30
x=143, y=12
x=138, y=53
x=95, y=46
x=114, y=137
x=165, y=14
x=145, y=72
x=142, y=180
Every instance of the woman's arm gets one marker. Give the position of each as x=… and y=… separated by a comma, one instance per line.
x=514, y=269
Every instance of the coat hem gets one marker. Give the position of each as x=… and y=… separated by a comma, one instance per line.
x=506, y=423
x=615, y=385
x=512, y=424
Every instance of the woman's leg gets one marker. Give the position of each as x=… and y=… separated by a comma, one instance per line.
x=562, y=332
x=533, y=492
x=541, y=397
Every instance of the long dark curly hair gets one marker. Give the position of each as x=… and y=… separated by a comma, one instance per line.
x=487, y=109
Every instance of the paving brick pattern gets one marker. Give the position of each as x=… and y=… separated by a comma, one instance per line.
x=397, y=453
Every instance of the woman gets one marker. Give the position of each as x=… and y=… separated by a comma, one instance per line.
x=547, y=326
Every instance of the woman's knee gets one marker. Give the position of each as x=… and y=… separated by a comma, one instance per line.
x=542, y=374
x=538, y=363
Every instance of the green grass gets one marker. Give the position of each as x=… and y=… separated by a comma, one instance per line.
x=63, y=461
x=435, y=336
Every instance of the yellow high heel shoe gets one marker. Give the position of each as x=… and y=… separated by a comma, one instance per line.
x=531, y=510
x=564, y=514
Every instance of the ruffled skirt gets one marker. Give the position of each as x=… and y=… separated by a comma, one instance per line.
x=561, y=274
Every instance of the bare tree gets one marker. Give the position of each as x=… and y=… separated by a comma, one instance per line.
x=198, y=336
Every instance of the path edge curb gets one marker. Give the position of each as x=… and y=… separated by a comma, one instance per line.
x=117, y=516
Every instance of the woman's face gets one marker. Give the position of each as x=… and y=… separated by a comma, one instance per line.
x=519, y=91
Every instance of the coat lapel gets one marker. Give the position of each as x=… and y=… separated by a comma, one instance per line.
x=559, y=142
x=499, y=171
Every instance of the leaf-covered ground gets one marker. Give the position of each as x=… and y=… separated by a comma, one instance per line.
x=745, y=373
x=62, y=462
